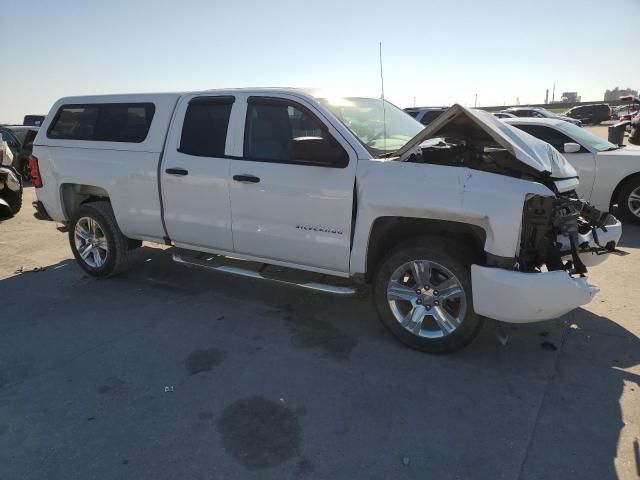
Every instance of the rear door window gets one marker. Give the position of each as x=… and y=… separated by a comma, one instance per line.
x=106, y=122
x=204, y=131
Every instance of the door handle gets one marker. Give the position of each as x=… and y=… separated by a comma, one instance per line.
x=177, y=171
x=246, y=178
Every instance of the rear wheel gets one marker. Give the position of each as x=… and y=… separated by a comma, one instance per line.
x=96, y=241
x=629, y=200
x=423, y=295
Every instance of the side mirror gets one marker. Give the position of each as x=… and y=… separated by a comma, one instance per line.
x=317, y=151
x=571, y=148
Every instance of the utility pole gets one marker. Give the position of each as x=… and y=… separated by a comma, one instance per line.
x=553, y=95
x=475, y=102
x=414, y=102
x=546, y=98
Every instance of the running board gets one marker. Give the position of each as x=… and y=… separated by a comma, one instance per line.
x=262, y=271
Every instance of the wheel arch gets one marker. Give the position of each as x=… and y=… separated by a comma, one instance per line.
x=616, y=191
x=73, y=195
x=389, y=231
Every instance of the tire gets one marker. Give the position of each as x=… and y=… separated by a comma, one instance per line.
x=14, y=199
x=448, y=260
x=109, y=251
x=629, y=200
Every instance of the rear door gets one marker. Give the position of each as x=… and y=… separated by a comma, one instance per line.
x=195, y=173
x=283, y=211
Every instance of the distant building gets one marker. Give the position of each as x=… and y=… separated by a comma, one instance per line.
x=570, y=97
x=616, y=93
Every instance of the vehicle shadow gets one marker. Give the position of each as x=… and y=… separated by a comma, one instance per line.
x=630, y=236
x=561, y=384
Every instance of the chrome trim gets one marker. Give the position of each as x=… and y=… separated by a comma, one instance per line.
x=319, y=287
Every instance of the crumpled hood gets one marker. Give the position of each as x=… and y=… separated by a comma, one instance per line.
x=527, y=149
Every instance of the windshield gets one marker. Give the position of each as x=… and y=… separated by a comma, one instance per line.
x=584, y=137
x=545, y=113
x=380, y=132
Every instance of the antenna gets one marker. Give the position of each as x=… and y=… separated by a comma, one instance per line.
x=384, y=112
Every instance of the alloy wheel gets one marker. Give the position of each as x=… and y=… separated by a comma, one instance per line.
x=91, y=242
x=633, y=202
x=426, y=299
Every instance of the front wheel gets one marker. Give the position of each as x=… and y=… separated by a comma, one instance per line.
x=422, y=292
x=629, y=200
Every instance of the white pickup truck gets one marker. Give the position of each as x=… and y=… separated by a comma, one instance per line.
x=465, y=219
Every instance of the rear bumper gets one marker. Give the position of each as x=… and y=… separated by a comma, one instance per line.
x=519, y=297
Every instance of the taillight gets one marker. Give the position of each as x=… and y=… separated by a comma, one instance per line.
x=34, y=171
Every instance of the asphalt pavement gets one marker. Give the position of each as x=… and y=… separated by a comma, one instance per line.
x=167, y=372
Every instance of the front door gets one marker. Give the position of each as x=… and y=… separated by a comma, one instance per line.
x=195, y=174
x=585, y=164
x=288, y=212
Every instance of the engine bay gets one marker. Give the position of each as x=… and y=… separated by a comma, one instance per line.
x=473, y=153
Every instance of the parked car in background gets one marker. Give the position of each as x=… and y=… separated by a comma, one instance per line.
x=6, y=154
x=537, y=112
x=335, y=192
x=627, y=112
x=20, y=140
x=503, y=115
x=609, y=174
x=10, y=184
x=634, y=133
x=33, y=120
x=425, y=115
x=594, y=114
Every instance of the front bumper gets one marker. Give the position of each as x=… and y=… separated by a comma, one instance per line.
x=518, y=297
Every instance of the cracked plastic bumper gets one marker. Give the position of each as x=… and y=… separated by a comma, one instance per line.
x=519, y=297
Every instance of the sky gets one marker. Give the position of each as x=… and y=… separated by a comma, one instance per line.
x=436, y=52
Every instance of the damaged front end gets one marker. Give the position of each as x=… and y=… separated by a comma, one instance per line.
x=560, y=237
x=565, y=233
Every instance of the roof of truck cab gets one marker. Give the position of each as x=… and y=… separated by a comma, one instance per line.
x=164, y=108
x=149, y=95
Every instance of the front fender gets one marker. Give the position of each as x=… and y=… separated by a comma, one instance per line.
x=486, y=200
